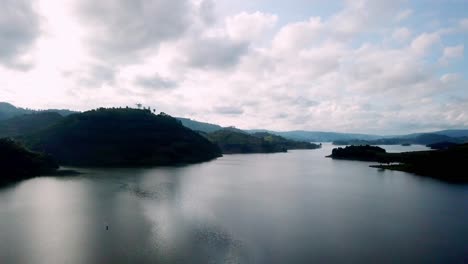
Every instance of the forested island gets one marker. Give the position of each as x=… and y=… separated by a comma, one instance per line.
x=447, y=164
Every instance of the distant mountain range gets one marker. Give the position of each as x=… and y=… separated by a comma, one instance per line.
x=318, y=136
x=460, y=135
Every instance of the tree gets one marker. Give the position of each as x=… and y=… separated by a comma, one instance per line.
x=139, y=105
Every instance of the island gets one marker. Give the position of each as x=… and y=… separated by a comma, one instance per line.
x=18, y=163
x=362, y=153
x=447, y=164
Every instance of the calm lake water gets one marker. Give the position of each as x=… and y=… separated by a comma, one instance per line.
x=295, y=207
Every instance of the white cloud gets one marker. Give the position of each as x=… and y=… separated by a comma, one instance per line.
x=213, y=52
x=121, y=30
x=298, y=35
x=354, y=70
x=19, y=29
x=401, y=34
x=249, y=26
x=453, y=52
x=450, y=78
x=464, y=24
x=404, y=14
x=422, y=43
x=360, y=16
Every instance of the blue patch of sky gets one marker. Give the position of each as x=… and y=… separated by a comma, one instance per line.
x=432, y=15
x=287, y=11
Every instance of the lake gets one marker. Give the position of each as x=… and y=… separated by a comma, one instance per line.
x=296, y=207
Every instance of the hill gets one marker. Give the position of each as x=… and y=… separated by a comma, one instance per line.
x=122, y=137
x=453, y=133
x=16, y=162
x=199, y=126
x=234, y=141
x=28, y=123
x=317, y=136
x=8, y=111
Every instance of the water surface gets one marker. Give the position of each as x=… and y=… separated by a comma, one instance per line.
x=295, y=207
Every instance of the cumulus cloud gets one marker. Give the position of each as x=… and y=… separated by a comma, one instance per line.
x=422, y=43
x=249, y=26
x=155, y=82
x=363, y=16
x=206, y=11
x=121, y=30
x=452, y=52
x=404, y=14
x=19, y=29
x=450, y=78
x=298, y=35
x=213, y=52
x=401, y=34
x=228, y=110
x=361, y=69
x=464, y=24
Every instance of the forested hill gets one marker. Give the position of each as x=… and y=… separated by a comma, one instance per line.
x=199, y=126
x=16, y=162
x=121, y=137
x=235, y=141
x=28, y=123
x=8, y=111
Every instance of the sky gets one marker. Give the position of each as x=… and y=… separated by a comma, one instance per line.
x=366, y=66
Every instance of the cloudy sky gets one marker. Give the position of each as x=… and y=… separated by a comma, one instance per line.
x=373, y=66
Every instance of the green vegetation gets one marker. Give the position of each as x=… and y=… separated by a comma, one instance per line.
x=442, y=145
x=316, y=136
x=8, y=111
x=235, y=141
x=121, y=137
x=446, y=164
x=363, y=153
x=199, y=126
x=28, y=123
x=16, y=162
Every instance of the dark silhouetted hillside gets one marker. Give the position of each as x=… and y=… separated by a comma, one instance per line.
x=199, y=126
x=422, y=139
x=447, y=164
x=122, y=137
x=364, y=153
x=28, y=123
x=17, y=163
x=8, y=111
